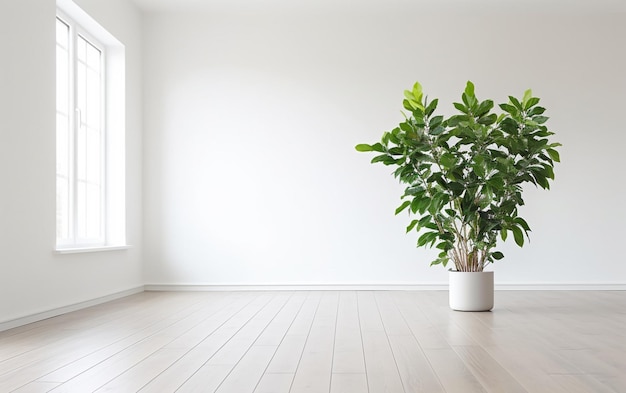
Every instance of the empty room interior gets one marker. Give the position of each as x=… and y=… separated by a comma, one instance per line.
x=183, y=207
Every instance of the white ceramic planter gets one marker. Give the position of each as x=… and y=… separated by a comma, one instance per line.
x=471, y=291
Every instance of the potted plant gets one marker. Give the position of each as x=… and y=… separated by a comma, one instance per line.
x=464, y=177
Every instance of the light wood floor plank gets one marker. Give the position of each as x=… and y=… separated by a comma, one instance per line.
x=165, y=319
x=452, y=372
x=314, y=369
x=380, y=364
x=492, y=376
x=278, y=327
x=582, y=384
x=238, y=348
x=248, y=372
x=194, y=362
x=348, y=350
x=274, y=383
x=289, y=352
x=99, y=349
x=136, y=377
x=36, y=387
x=82, y=345
x=349, y=383
x=411, y=307
x=324, y=341
x=415, y=371
x=408, y=355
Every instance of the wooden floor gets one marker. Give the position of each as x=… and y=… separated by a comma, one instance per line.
x=322, y=341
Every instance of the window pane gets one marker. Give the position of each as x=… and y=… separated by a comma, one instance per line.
x=81, y=154
x=62, y=80
x=93, y=93
x=63, y=208
x=81, y=210
x=81, y=49
x=93, y=157
x=63, y=145
x=93, y=211
x=63, y=32
x=93, y=57
x=81, y=92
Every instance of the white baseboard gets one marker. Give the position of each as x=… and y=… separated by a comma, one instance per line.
x=13, y=323
x=382, y=287
x=560, y=287
x=295, y=287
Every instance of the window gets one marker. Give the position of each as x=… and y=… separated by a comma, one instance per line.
x=89, y=133
x=80, y=138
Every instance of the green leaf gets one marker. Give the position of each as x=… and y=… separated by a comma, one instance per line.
x=431, y=107
x=404, y=205
x=435, y=122
x=418, y=113
x=411, y=226
x=445, y=246
x=378, y=147
x=541, y=180
x=461, y=107
x=496, y=183
x=415, y=204
x=364, y=147
x=521, y=222
x=527, y=96
x=406, y=127
x=540, y=119
x=384, y=158
x=424, y=221
x=516, y=103
x=407, y=105
x=509, y=109
x=518, y=236
x=428, y=237
x=396, y=151
x=469, y=89
x=417, y=91
x=484, y=108
x=447, y=160
x=488, y=120
x=548, y=171
x=437, y=131
x=531, y=102
x=423, y=205
x=554, y=155
x=456, y=187
x=497, y=255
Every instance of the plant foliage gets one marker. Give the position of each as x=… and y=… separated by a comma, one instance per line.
x=464, y=173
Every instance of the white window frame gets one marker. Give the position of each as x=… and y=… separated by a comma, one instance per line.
x=74, y=239
x=113, y=102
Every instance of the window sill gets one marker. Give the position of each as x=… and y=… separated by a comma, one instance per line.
x=90, y=249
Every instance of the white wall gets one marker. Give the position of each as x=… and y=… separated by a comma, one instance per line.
x=251, y=118
x=33, y=278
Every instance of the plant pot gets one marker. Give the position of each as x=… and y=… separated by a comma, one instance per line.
x=471, y=291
